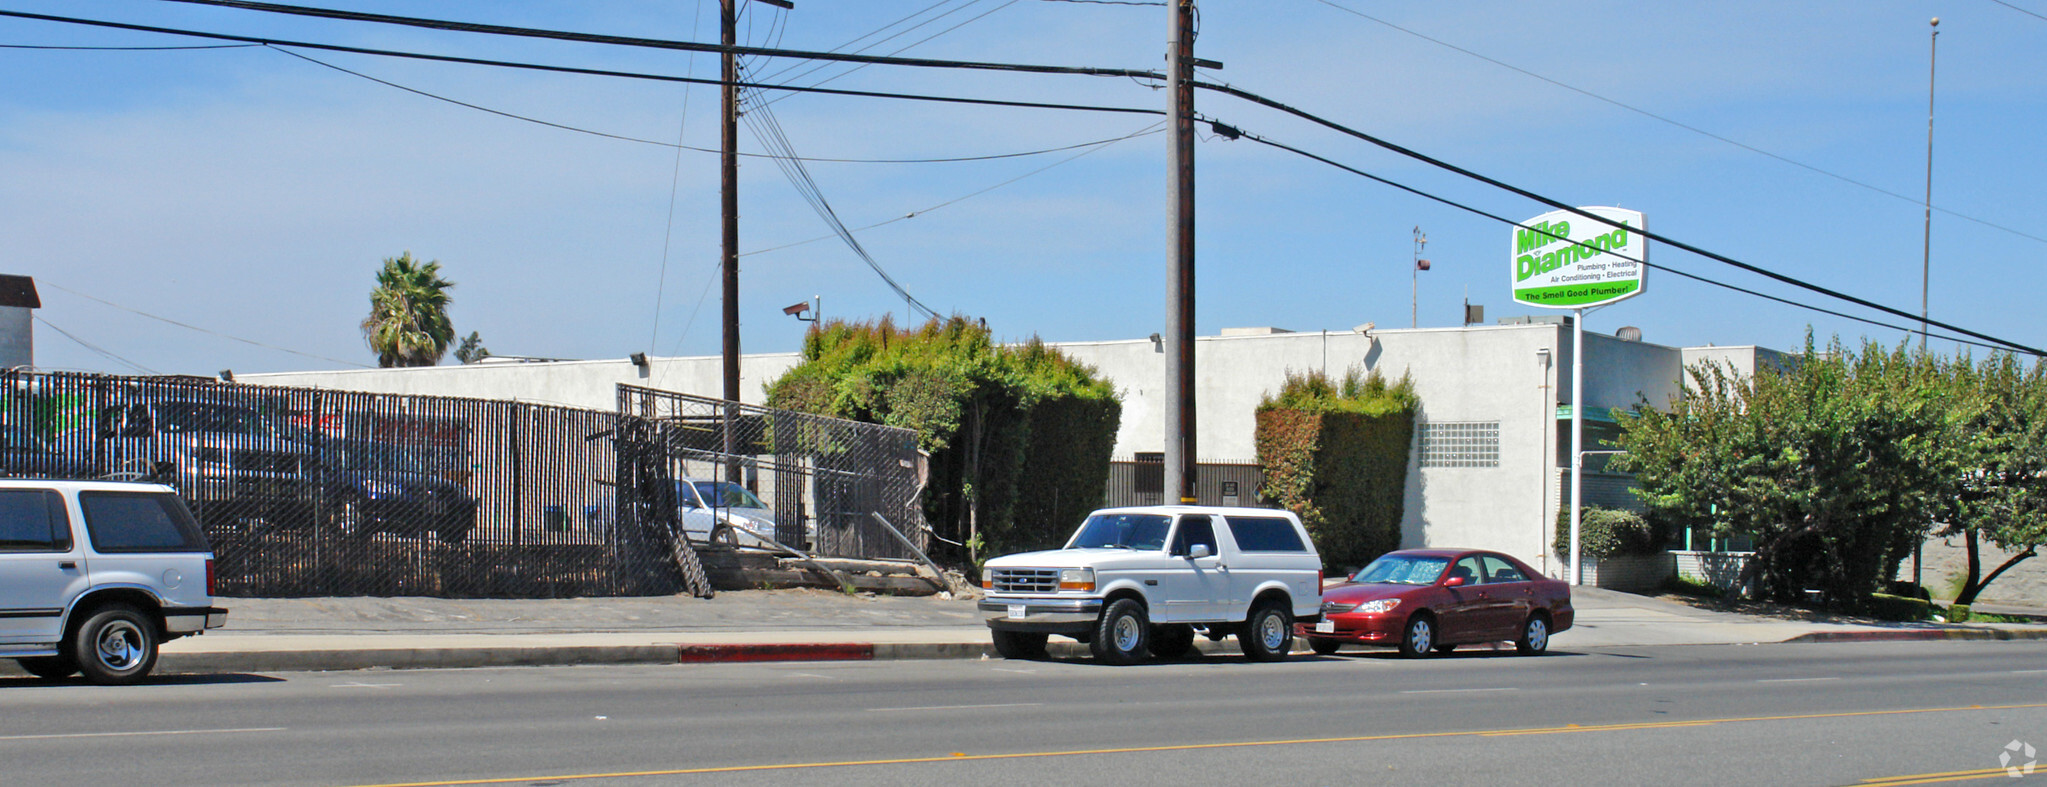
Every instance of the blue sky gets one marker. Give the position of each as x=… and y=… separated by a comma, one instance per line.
x=252, y=194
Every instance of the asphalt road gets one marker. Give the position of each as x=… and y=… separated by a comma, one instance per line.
x=1771, y=714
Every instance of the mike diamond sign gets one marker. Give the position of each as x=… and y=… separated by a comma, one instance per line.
x=1565, y=261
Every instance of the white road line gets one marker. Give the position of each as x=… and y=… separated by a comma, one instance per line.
x=1018, y=671
x=360, y=685
x=960, y=707
x=2028, y=671
x=136, y=734
x=1793, y=680
x=1453, y=691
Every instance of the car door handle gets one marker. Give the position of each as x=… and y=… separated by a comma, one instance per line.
x=68, y=565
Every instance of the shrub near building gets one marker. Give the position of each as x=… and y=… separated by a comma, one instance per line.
x=1335, y=453
x=1019, y=437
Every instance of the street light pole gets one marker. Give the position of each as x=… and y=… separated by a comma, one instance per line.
x=1926, y=250
x=1415, y=279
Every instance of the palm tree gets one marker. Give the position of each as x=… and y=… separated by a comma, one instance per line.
x=408, y=323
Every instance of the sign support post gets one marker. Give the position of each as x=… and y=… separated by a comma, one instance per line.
x=1577, y=436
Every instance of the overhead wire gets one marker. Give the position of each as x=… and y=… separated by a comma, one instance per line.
x=1559, y=205
x=1656, y=266
x=1689, y=127
x=207, y=331
x=2018, y=9
x=567, y=69
x=674, y=187
x=777, y=74
x=904, y=48
x=101, y=351
x=127, y=49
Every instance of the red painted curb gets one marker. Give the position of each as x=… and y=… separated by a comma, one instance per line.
x=706, y=654
x=1920, y=635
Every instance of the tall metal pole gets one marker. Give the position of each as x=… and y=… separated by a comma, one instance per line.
x=1926, y=258
x=728, y=180
x=1180, y=442
x=1577, y=434
x=1926, y=251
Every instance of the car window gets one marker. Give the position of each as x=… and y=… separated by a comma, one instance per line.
x=1127, y=531
x=1265, y=534
x=1194, y=529
x=1498, y=571
x=1402, y=570
x=725, y=494
x=139, y=522
x=1467, y=569
x=32, y=520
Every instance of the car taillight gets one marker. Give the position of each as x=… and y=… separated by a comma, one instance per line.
x=209, y=577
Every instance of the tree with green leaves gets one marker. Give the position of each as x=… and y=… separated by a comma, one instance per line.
x=408, y=323
x=1999, y=494
x=1833, y=464
x=472, y=350
x=1335, y=453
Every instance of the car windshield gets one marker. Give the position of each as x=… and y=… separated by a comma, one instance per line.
x=198, y=417
x=725, y=494
x=1126, y=531
x=1402, y=570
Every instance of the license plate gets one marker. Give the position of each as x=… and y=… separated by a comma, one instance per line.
x=1018, y=611
x=1325, y=627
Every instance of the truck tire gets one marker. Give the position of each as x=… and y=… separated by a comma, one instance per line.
x=1172, y=640
x=116, y=645
x=1122, y=635
x=50, y=667
x=1268, y=635
x=1018, y=644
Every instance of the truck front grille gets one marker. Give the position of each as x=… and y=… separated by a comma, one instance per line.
x=1026, y=580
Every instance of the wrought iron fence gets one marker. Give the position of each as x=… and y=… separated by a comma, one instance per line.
x=314, y=492
x=828, y=486
x=317, y=492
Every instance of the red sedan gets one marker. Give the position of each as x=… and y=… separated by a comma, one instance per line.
x=1432, y=600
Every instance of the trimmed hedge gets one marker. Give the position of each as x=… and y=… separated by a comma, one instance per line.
x=1607, y=532
x=1020, y=437
x=1336, y=455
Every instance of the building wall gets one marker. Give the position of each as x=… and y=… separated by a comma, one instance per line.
x=590, y=384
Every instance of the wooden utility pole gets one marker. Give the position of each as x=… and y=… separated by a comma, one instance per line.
x=1180, y=421
x=728, y=188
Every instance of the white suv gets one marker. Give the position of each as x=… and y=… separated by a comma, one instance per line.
x=1139, y=582
x=94, y=575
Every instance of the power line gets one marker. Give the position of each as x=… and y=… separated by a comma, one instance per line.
x=902, y=49
x=569, y=69
x=95, y=348
x=674, y=187
x=1499, y=184
x=1688, y=127
x=659, y=143
x=127, y=49
x=1665, y=268
x=2018, y=9
x=864, y=36
x=655, y=43
x=1091, y=147
x=207, y=331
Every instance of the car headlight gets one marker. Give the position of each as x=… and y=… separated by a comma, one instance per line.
x=1380, y=606
x=1081, y=579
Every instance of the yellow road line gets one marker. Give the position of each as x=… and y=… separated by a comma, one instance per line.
x=1937, y=778
x=1568, y=728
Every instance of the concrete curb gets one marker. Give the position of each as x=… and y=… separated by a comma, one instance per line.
x=1907, y=635
x=410, y=658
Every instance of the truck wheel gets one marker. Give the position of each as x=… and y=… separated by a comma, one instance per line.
x=1172, y=640
x=1121, y=634
x=50, y=667
x=1019, y=644
x=116, y=646
x=1268, y=635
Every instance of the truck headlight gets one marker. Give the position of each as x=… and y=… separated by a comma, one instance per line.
x=1081, y=579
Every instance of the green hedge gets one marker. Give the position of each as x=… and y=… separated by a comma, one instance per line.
x=1019, y=437
x=1336, y=455
x=1608, y=532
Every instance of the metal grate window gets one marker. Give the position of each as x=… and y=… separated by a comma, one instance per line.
x=1460, y=444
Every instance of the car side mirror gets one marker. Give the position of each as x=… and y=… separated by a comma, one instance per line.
x=1453, y=582
x=1198, y=551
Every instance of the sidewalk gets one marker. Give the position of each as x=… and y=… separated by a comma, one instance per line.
x=274, y=635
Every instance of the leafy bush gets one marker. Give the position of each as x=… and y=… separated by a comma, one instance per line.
x=1336, y=455
x=1019, y=437
x=1608, y=532
x=1884, y=606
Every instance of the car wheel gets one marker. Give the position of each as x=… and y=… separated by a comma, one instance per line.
x=1172, y=640
x=1019, y=644
x=1120, y=636
x=50, y=667
x=1268, y=635
x=116, y=646
x=1325, y=647
x=1420, y=637
x=1534, y=639
x=457, y=529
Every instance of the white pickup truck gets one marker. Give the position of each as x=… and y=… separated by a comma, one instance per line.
x=95, y=575
x=1141, y=582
